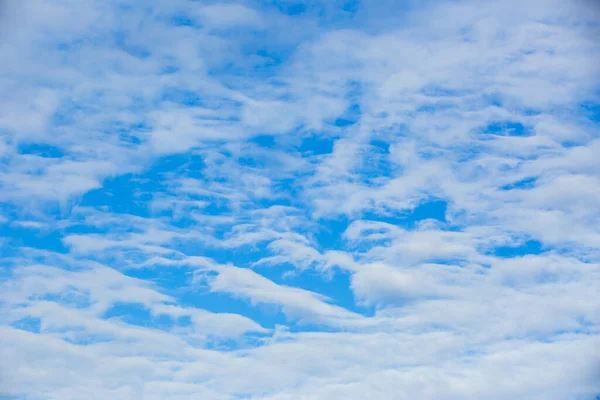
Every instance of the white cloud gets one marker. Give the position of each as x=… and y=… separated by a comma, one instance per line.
x=296, y=303
x=231, y=15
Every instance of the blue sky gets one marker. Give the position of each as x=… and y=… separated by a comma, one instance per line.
x=299, y=200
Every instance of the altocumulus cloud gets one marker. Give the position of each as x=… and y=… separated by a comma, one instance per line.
x=300, y=199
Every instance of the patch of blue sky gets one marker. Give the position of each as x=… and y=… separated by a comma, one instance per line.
x=173, y=281
x=336, y=8
x=41, y=150
x=315, y=145
x=190, y=164
x=376, y=164
x=183, y=20
x=527, y=247
x=330, y=233
x=271, y=57
x=30, y=324
x=265, y=141
x=268, y=53
x=351, y=6
x=126, y=194
x=506, y=128
x=292, y=8
x=591, y=110
x=350, y=117
x=132, y=193
x=531, y=111
x=381, y=145
x=17, y=235
x=526, y=183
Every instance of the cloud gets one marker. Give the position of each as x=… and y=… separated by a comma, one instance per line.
x=291, y=200
x=231, y=15
x=295, y=303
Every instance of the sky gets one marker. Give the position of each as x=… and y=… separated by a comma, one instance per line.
x=300, y=199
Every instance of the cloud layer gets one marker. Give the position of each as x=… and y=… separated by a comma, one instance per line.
x=300, y=200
